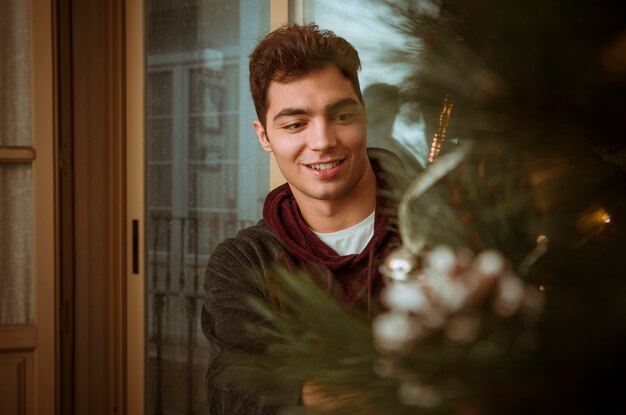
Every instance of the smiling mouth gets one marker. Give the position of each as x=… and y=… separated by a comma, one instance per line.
x=324, y=166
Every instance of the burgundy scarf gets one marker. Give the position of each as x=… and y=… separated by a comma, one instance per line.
x=355, y=274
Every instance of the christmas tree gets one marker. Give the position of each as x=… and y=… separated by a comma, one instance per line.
x=508, y=292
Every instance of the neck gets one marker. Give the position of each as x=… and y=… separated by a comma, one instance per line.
x=334, y=215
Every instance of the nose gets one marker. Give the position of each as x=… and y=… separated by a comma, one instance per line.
x=322, y=136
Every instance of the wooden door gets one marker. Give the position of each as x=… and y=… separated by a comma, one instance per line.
x=28, y=268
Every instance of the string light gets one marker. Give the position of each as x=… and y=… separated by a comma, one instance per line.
x=593, y=220
x=442, y=129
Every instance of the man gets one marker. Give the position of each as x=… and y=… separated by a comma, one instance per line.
x=326, y=218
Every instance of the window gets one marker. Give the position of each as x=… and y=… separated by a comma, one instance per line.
x=206, y=176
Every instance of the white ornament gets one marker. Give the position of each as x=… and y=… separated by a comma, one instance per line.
x=394, y=331
x=405, y=297
x=510, y=295
x=489, y=262
x=398, y=265
x=415, y=393
x=442, y=259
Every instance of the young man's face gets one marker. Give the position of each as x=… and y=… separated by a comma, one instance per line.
x=315, y=127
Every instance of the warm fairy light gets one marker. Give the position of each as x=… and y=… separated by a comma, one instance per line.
x=593, y=220
x=440, y=133
x=602, y=216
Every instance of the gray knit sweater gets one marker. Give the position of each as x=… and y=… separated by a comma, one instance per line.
x=236, y=271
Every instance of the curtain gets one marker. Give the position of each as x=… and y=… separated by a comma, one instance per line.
x=16, y=221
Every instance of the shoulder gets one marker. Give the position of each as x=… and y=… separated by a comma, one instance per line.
x=244, y=258
x=383, y=159
x=255, y=241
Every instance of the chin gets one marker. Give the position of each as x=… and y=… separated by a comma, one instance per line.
x=328, y=194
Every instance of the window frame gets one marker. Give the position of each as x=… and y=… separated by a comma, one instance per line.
x=135, y=304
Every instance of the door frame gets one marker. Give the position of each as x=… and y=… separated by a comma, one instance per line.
x=135, y=208
x=45, y=185
x=135, y=308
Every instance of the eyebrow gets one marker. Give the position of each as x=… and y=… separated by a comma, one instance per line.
x=286, y=112
x=341, y=104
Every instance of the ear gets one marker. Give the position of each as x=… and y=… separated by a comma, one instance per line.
x=260, y=133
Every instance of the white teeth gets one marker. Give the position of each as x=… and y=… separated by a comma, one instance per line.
x=324, y=166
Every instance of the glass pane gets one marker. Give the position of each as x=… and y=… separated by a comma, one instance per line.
x=15, y=74
x=206, y=176
x=16, y=255
x=392, y=124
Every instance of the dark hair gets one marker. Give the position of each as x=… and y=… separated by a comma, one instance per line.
x=292, y=51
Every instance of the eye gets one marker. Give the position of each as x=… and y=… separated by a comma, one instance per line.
x=344, y=117
x=293, y=126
